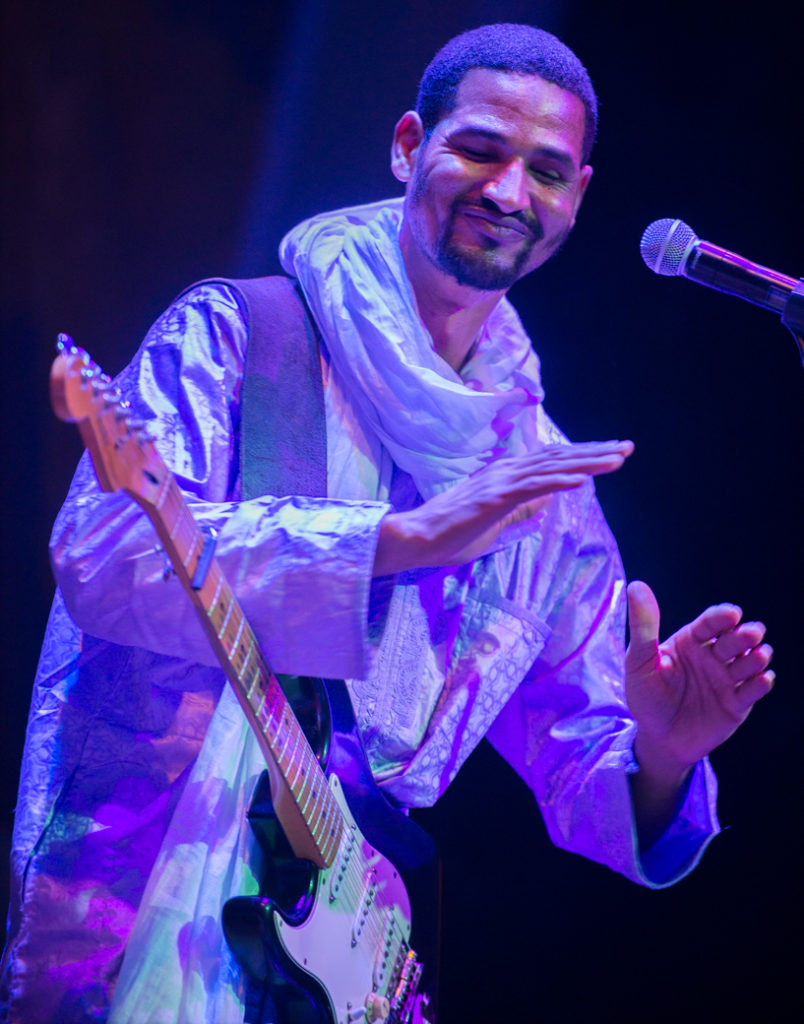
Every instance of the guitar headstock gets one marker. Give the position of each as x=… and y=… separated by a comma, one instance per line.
x=122, y=451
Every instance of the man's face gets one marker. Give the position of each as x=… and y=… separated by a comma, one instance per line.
x=495, y=190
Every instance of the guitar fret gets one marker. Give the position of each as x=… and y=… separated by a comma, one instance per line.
x=221, y=608
x=274, y=695
x=272, y=723
x=225, y=623
x=250, y=666
x=333, y=841
x=165, y=491
x=324, y=812
x=214, y=602
x=258, y=709
x=292, y=757
x=313, y=819
x=193, y=552
x=179, y=520
x=302, y=798
x=334, y=825
x=212, y=586
x=242, y=647
x=183, y=534
x=232, y=630
x=305, y=784
x=289, y=736
x=311, y=773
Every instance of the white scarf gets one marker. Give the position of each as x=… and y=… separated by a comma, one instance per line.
x=437, y=424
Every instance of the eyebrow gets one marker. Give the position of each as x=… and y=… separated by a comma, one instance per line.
x=559, y=156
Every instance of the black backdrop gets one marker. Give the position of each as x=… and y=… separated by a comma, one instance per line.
x=151, y=144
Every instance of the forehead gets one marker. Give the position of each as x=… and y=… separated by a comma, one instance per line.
x=523, y=108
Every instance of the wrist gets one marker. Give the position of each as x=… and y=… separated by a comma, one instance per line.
x=397, y=544
x=660, y=764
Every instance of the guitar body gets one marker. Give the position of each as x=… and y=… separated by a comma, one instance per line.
x=317, y=942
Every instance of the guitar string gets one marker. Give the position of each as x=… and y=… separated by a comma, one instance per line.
x=380, y=921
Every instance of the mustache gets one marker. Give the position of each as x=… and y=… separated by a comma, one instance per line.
x=522, y=217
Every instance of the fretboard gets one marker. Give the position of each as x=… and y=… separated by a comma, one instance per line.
x=290, y=759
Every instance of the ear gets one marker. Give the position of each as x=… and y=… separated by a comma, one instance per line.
x=408, y=136
x=583, y=184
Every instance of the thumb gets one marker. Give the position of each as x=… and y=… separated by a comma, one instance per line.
x=643, y=620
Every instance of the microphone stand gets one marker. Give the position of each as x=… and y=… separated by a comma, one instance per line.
x=793, y=315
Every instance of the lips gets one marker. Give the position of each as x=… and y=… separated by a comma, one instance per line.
x=498, y=225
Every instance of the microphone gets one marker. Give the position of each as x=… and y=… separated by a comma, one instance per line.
x=671, y=247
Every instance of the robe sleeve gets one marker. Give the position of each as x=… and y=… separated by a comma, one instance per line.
x=300, y=566
x=568, y=732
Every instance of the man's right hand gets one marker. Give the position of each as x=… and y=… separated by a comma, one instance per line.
x=461, y=523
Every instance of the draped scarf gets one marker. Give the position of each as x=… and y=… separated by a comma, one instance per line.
x=437, y=424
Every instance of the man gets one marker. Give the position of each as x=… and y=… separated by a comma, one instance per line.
x=497, y=605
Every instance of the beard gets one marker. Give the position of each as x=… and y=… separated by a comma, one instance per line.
x=486, y=265
x=483, y=266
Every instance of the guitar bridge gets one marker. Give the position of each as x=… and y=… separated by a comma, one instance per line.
x=404, y=997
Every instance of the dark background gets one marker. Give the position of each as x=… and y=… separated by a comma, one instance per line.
x=147, y=145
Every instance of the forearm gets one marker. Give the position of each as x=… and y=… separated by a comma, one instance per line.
x=300, y=567
x=460, y=524
x=657, y=791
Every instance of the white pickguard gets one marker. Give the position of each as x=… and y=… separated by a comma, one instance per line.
x=357, y=932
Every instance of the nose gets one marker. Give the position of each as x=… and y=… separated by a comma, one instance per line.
x=508, y=189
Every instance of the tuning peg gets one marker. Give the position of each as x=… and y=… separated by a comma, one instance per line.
x=122, y=412
x=111, y=395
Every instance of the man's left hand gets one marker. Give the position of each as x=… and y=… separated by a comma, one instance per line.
x=688, y=694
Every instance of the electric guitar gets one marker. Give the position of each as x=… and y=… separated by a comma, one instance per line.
x=330, y=941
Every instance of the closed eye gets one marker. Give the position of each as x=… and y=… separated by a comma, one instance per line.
x=478, y=155
x=550, y=175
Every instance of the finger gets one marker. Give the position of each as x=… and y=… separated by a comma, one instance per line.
x=751, y=690
x=643, y=615
x=558, y=455
x=583, y=451
x=736, y=642
x=753, y=663
x=539, y=469
x=585, y=448
x=717, y=619
x=625, y=448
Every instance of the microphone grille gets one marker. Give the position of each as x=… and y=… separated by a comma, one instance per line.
x=665, y=246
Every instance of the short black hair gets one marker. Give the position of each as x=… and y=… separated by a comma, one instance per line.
x=523, y=49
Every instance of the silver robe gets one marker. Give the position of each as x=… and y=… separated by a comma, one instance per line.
x=524, y=645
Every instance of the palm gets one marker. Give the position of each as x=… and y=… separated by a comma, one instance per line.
x=691, y=692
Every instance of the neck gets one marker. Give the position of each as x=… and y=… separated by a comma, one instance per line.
x=454, y=314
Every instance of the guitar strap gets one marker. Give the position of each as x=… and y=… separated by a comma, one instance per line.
x=283, y=444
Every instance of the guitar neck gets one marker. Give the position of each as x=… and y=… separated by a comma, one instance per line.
x=306, y=808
